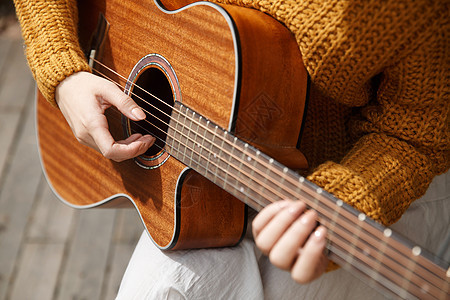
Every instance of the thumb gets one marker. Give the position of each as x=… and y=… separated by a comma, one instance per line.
x=124, y=103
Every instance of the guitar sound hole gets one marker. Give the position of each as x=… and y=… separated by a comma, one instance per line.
x=153, y=93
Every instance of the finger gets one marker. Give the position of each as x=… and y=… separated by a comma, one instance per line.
x=285, y=251
x=123, y=151
x=130, y=139
x=277, y=226
x=311, y=262
x=123, y=102
x=118, y=151
x=267, y=214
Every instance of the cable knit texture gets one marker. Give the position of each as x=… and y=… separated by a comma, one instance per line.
x=377, y=129
x=49, y=29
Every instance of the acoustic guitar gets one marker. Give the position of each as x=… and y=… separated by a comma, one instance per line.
x=224, y=89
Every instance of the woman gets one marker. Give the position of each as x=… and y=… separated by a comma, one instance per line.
x=376, y=134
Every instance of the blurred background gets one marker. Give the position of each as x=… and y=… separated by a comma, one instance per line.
x=47, y=250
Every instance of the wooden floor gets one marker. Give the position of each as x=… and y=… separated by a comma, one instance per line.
x=48, y=250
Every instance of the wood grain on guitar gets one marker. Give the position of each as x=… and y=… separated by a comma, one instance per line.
x=236, y=86
x=225, y=59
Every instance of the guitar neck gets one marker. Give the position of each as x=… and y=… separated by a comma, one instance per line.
x=356, y=242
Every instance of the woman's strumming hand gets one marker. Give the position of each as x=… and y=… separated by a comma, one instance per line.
x=83, y=99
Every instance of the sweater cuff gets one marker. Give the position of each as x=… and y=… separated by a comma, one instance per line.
x=56, y=68
x=381, y=176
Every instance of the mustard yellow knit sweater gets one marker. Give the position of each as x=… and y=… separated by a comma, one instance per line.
x=377, y=129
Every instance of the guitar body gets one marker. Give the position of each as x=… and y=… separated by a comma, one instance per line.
x=237, y=67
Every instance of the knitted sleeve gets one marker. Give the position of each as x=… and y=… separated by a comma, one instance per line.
x=403, y=126
x=49, y=29
x=405, y=129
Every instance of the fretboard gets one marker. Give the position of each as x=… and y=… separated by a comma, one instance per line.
x=367, y=249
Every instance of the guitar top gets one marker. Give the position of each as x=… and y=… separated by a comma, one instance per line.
x=224, y=89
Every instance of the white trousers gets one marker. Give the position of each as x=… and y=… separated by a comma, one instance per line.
x=242, y=272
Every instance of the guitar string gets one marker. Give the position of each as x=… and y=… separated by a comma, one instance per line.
x=256, y=202
x=355, y=264
x=394, y=262
x=159, y=100
x=183, y=125
x=163, y=102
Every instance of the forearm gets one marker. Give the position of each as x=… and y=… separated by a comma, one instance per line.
x=49, y=29
x=381, y=176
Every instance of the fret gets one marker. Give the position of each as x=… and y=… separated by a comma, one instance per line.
x=262, y=177
x=189, y=149
x=253, y=193
x=194, y=139
x=239, y=173
x=173, y=133
x=204, y=146
x=355, y=237
x=229, y=162
x=246, y=181
x=185, y=134
x=215, y=151
x=221, y=159
x=209, y=136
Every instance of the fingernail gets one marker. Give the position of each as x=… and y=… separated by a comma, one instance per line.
x=295, y=209
x=149, y=138
x=138, y=113
x=304, y=218
x=319, y=233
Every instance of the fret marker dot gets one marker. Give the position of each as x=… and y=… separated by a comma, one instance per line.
x=387, y=232
x=448, y=272
x=416, y=251
x=319, y=191
x=215, y=156
x=361, y=217
x=235, y=139
x=271, y=160
x=258, y=152
x=207, y=122
x=242, y=189
x=249, y=158
x=285, y=170
x=301, y=179
x=246, y=145
x=339, y=203
x=225, y=132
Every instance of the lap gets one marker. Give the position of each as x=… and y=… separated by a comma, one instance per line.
x=241, y=272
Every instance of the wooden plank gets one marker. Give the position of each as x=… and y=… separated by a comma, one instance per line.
x=127, y=231
x=51, y=219
x=38, y=271
x=128, y=227
x=83, y=273
x=16, y=79
x=15, y=84
x=121, y=254
x=43, y=249
x=16, y=199
x=9, y=123
x=5, y=45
